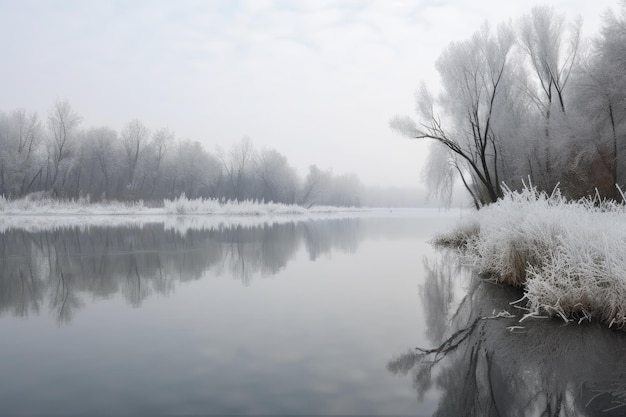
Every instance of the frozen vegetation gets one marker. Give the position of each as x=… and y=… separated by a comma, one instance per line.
x=529, y=98
x=183, y=205
x=568, y=256
x=180, y=206
x=181, y=213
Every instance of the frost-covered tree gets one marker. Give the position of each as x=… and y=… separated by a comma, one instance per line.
x=105, y=156
x=277, y=180
x=462, y=119
x=100, y=164
x=551, y=46
x=162, y=140
x=552, y=49
x=522, y=103
x=62, y=124
x=600, y=109
x=315, y=187
x=238, y=166
x=135, y=141
x=21, y=156
x=611, y=63
x=197, y=171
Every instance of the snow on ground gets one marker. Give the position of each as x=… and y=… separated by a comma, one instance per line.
x=570, y=257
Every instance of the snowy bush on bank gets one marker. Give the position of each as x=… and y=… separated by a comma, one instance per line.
x=568, y=256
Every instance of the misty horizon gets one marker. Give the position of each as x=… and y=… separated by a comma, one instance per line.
x=317, y=81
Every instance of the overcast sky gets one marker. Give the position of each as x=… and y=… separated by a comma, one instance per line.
x=318, y=80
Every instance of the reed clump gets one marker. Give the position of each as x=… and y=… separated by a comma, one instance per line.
x=461, y=237
x=568, y=256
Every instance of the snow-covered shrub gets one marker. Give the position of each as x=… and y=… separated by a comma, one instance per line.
x=567, y=255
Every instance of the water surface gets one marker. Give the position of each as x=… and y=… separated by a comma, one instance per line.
x=289, y=317
x=488, y=361
x=280, y=316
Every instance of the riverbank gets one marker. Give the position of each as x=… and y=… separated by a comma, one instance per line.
x=568, y=256
x=178, y=206
x=181, y=214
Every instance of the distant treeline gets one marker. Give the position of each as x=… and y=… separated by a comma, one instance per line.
x=59, y=158
x=529, y=100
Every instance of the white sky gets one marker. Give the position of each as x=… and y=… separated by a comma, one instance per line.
x=318, y=80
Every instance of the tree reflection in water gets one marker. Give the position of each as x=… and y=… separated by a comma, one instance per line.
x=58, y=269
x=485, y=365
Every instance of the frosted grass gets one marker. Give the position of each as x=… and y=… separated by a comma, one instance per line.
x=569, y=256
x=183, y=205
x=178, y=206
x=180, y=214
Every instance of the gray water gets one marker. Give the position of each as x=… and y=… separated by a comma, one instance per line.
x=297, y=317
x=489, y=363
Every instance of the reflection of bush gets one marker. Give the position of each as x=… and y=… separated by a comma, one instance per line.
x=54, y=269
x=487, y=366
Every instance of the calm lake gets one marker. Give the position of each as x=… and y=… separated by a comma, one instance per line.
x=316, y=316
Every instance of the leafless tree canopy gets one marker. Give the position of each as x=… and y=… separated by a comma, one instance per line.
x=523, y=102
x=66, y=160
